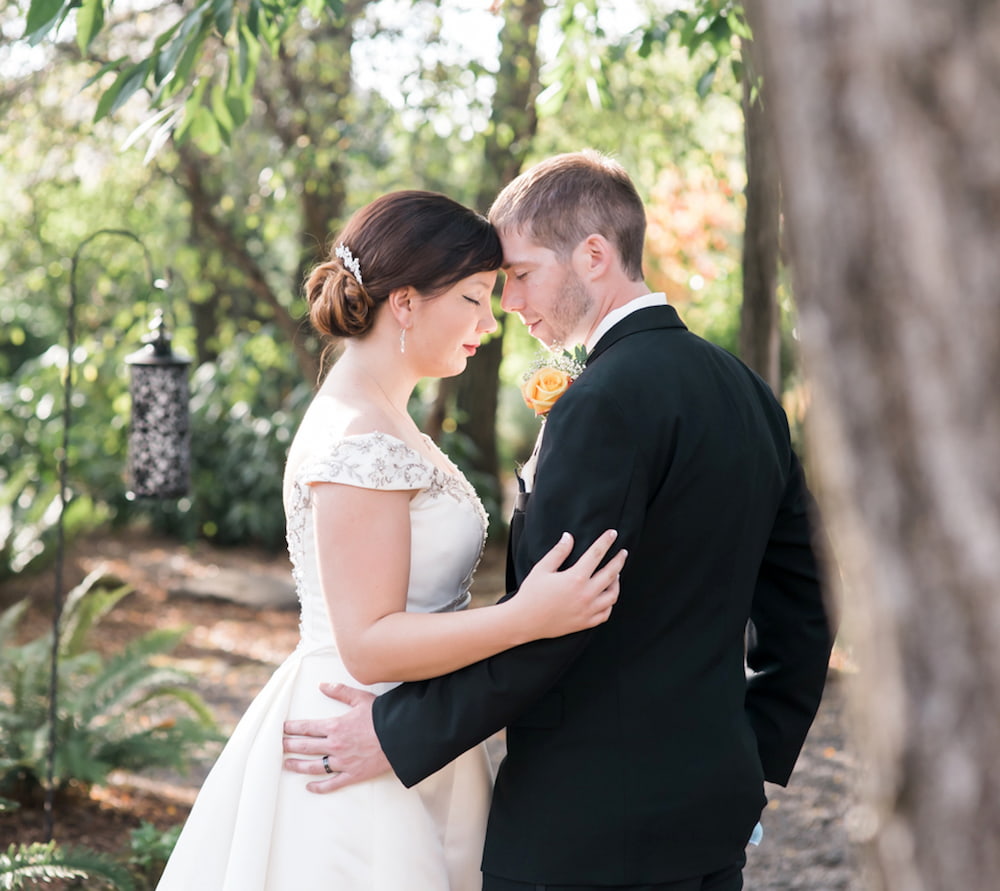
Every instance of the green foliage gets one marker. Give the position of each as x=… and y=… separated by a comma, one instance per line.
x=129, y=711
x=24, y=866
x=199, y=71
x=245, y=407
x=150, y=848
x=709, y=24
x=346, y=110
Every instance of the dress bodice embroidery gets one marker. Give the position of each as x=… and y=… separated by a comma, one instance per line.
x=447, y=523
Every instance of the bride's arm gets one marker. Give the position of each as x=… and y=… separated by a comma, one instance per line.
x=363, y=547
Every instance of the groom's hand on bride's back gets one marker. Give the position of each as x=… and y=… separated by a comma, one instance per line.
x=348, y=742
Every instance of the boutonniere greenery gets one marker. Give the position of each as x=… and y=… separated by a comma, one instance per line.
x=549, y=377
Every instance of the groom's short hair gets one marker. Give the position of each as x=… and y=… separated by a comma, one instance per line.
x=560, y=201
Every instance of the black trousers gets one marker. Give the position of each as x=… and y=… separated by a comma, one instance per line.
x=728, y=879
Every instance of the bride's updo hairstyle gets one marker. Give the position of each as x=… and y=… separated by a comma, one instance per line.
x=418, y=239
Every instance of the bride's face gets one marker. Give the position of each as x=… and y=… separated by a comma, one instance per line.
x=448, y=329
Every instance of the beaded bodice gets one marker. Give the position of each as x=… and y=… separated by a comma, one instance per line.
x=447, y=522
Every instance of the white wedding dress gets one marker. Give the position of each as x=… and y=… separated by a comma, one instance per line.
x=254, y=826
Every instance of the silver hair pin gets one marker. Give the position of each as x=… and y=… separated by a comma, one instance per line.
x=350, y=261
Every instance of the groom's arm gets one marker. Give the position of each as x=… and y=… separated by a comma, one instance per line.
x=790, y=635
x=589, y=479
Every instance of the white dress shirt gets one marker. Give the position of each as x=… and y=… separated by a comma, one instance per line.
x=616, y=315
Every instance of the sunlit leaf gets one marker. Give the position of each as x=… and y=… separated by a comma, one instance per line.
x=254, y=17
x=89, y=20
x=161, y=136
x=145, y=127
x=104, y=69
x=205, y=133
x=238, y=94
x=222, y=15
x=192, y=50
x=191, y=107
x=249, y=50
x=551, y=99
x=220, y=111
x=239, y=108
x=738, y=24
x=166, y=59
x=705, y=82
x=122, y=89
x=42, y=15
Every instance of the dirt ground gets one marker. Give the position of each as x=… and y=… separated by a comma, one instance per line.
x=232, y=649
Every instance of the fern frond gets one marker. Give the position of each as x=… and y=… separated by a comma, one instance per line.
x=85, y=606
x=9, y=620
x=166, y=745
x=189, y=697
x=45, y=862
x=129, y=676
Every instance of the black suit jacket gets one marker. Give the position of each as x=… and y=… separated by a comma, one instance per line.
x=637, y=751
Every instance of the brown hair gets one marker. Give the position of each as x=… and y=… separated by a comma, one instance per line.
x=560, y=201
x=422, y=240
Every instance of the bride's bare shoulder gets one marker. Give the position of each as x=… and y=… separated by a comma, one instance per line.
x=348, y=414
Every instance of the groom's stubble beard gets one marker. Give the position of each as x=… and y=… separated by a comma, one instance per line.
x=571, y=306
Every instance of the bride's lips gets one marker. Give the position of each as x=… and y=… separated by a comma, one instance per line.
x=470, y=348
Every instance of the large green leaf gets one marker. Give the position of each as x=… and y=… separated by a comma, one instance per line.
x=42, y=15
x=205, y=132
x=222, y=15
x=89, y=21
x=166, y=59
x=130, y=80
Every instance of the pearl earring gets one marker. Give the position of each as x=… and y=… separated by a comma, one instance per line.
x=402, y=340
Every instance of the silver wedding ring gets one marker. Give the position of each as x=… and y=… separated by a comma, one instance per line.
x=326, y=764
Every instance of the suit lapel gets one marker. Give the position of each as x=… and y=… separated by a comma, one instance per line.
x=641, y=320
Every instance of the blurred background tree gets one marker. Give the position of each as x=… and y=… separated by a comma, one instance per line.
x=887, y=122
x=234, y=141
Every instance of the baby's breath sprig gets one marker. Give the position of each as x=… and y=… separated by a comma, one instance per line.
x=560, y=359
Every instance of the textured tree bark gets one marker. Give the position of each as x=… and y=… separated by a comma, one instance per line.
x=512, y=128
x=887, y=119
x=760, y=319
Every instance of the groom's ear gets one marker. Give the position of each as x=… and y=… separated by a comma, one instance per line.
x=594, y=256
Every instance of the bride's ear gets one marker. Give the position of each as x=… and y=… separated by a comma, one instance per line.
x=400, y=303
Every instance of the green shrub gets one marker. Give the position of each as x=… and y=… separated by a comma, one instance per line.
x=150, y=849
x=125, y=712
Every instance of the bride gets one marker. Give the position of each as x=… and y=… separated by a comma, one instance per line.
x=384, y=534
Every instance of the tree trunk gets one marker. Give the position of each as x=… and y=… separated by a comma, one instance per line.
x=760, y=320
x=512, y=128
x=887, y=119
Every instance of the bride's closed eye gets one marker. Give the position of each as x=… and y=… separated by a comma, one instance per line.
x=472, y=300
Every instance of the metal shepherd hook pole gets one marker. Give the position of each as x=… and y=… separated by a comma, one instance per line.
x=57, y=599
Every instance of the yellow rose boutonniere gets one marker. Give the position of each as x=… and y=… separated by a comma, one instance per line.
x=548, y=379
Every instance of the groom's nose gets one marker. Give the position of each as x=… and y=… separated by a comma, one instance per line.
x=510, y=301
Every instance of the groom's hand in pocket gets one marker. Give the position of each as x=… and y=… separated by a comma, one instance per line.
x=348, y=741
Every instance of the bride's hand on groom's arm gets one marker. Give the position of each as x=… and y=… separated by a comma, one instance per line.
x=348, y=741
x=556, y=601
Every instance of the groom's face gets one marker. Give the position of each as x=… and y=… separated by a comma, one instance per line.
x=547, y=294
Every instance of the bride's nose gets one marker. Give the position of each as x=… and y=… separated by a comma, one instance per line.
x=487, y=322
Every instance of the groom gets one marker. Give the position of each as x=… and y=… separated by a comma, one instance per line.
x=637, y=750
